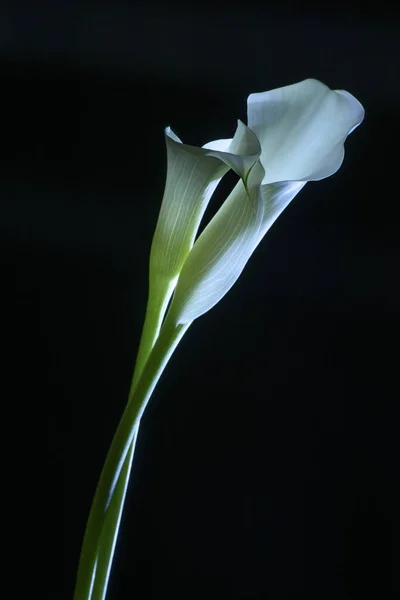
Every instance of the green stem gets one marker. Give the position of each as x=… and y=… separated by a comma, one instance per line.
x=90, y=565
x=102, y=528
x=160, y=292
x=159, y=296
x=109, y=534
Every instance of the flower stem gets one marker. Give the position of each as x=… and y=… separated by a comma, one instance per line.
x=159, y=297
x=160, y=293
x=109, y=534
x=95, y=566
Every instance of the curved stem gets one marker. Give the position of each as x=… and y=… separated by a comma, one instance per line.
x=111, y=526
x=160, y=292
x=89, y=565
x=159, y=296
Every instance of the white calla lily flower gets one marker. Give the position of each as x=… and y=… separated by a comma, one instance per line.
x=301, y=129
x=193, y=173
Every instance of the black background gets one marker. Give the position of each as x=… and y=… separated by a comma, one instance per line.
x=267, y=461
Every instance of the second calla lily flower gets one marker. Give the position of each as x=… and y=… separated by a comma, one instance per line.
x=301, y=129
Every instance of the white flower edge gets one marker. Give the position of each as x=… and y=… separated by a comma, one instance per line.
x=302, y=129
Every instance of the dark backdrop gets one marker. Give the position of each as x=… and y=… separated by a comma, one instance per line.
x=267, y=461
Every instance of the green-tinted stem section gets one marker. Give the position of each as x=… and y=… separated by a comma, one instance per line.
x=109, y=533
x=107, y=528
x=169, y=337
x=160, y=292
x=159, y=296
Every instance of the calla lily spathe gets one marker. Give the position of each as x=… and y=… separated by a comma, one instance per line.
x=192, y=175
x=301, y=129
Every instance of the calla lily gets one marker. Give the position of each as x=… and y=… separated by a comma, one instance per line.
x=295, y=134
x=193, y=173
x=192, y=176
x=301, y=129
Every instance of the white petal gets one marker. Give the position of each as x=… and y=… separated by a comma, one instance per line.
x=276, y=197
x=193, y=173
x=221, y=252
x=302, y=129
x=239, y=153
